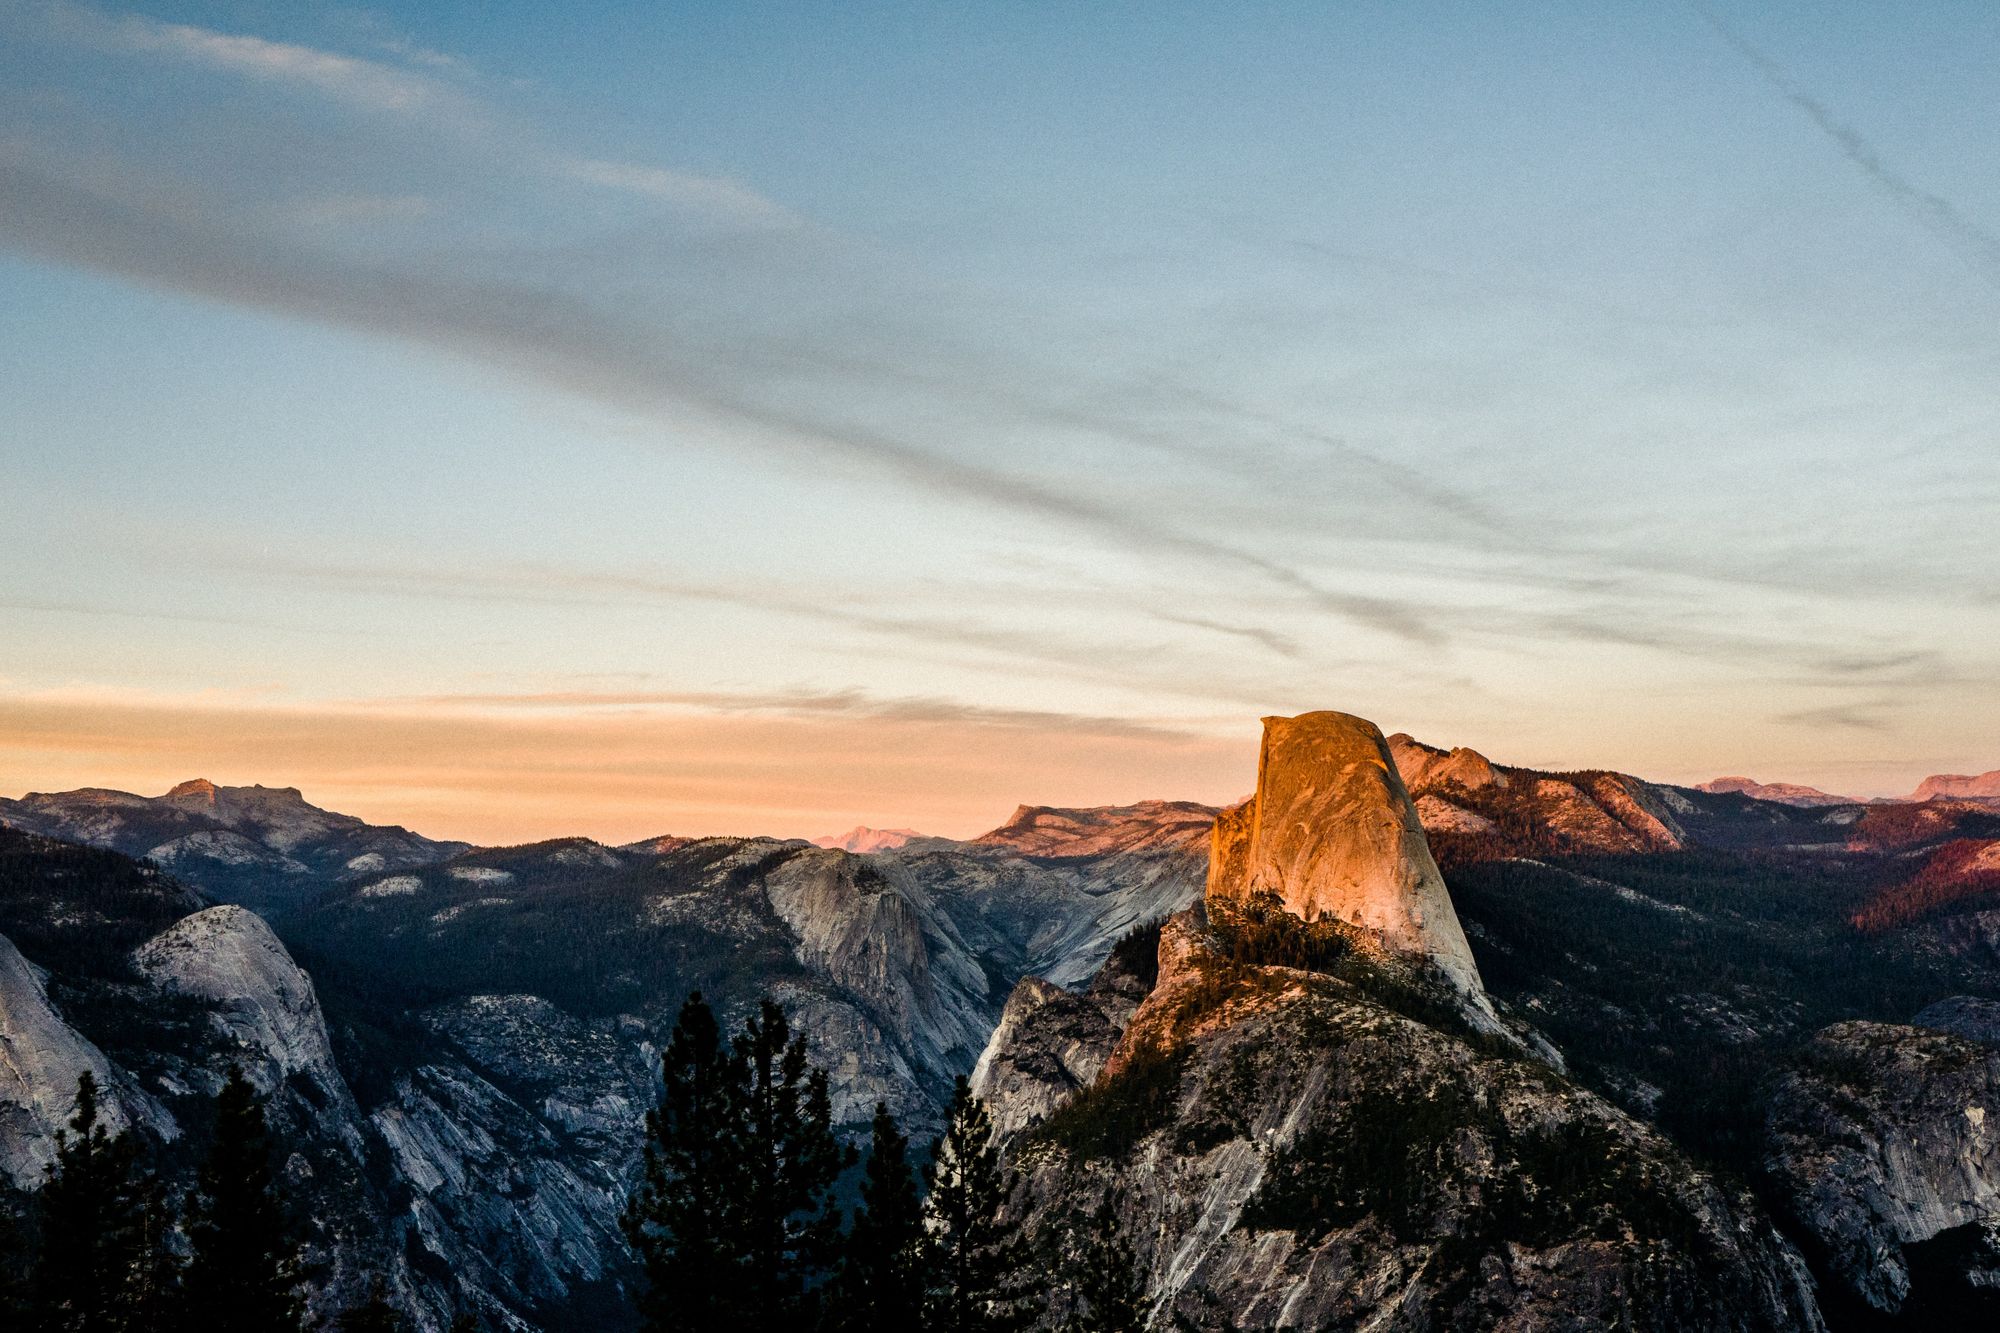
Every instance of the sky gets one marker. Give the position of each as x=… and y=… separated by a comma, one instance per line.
x=518, y=420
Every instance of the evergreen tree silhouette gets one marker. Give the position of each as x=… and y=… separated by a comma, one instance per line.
x=244, y=1274
x=155, y=1299
x=1106, y=1292
x=975, y=1261
x=15, y=1269
x=879, y=1287
x=790, y=1159
x=91, y=1264
x=685, y=1216
x=734, y=1220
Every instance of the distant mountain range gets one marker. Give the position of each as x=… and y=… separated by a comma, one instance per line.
x=1790, y=793
x=861, y=838
x=1941, y=786
x=460, y=1041
x=256, y=845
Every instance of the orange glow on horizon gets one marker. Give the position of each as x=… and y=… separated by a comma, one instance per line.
x=615, y=775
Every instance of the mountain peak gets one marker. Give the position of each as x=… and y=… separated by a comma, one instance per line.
x=1058, y=831
x=1981, y=786
x=861, y=838
x=199, y=788
x=1332, y=833
x=1785, y=793
x=1424, y=765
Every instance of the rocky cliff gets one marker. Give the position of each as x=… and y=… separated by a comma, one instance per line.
x=1291, y=1150
x=264, y=846
x=1884, y=1143
x=1483, y=809
x=1331, y=834
x=41, y=1059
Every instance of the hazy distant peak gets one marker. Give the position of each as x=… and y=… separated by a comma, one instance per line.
x=1786, y=793
x=1980, y=786
x=861, y=838
x=1044, y=830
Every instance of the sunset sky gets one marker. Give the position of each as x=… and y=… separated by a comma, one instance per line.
x=511, y=420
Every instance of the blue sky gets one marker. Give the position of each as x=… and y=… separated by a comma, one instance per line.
x=934, y=407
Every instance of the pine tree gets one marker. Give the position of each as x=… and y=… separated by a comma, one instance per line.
x=88, y=1275
x=14, y=1272
x=790, y=1160
x=244, y=1275
x=734, y=1220
x=684, y=1217
x=879, y=1286
x=155, y=1301
x=1106, y=1292
x=975, y=1260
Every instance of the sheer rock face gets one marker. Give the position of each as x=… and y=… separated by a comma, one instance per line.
x=41, y=1059
x=1052, y=1043
x=1332, y=833
x=257, y=997
x=1306, y=1157
x=1885, y=1138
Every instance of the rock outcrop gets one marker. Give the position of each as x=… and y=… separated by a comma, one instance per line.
x=1052, y=831
x=259, y=1000
x=263, y=846
x=1288, y=1150
x=1482, y=810
x=41, y=1059
x=1423, y=766
x=1052, y=1043
x=1331, y=834
x=862, y=923
x=1884, y=1145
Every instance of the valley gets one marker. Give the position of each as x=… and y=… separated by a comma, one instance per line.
x=1738, y=1009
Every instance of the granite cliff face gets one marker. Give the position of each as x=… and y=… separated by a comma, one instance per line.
x=1884, y=1142
x=1306, y=1129
x=1319, y=1109
x=1975, y=786
x=1331, y=834
x=1290, y=1150
x=1484, y=809
x=41, y=1059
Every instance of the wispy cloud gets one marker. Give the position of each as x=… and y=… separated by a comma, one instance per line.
x=1935, y=213
x=1876, y=715
x=576, y=344
x=1281, y=644
x=682, y=189
x=434, y=92
x=370, y=84
x=847, y=703
x=1148, y=667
